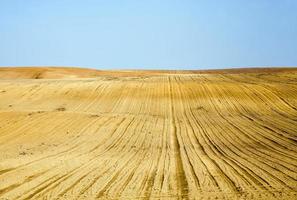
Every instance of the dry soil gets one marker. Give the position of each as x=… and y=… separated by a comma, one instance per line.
x=87, y=134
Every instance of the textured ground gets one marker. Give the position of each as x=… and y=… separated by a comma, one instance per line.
x=86, y=134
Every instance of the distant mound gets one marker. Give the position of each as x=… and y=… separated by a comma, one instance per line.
x=46, y=73
x=72, y=72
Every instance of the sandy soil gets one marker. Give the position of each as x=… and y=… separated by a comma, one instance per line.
x=87, y=134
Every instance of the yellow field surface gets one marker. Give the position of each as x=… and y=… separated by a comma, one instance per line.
x=87, y=134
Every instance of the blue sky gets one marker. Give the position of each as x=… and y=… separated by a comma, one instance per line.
x=148, y=34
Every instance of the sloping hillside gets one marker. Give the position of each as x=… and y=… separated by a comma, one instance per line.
x=87, y=134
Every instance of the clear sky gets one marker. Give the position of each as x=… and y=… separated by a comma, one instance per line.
x=152, y=34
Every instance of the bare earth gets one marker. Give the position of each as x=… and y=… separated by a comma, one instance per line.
x=88, y=134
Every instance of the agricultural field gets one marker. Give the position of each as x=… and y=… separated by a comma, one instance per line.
x=70, y=133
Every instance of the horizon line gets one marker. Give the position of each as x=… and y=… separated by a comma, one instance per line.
x=152, y=69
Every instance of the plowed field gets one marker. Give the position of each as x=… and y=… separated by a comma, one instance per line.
x=87, y=134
